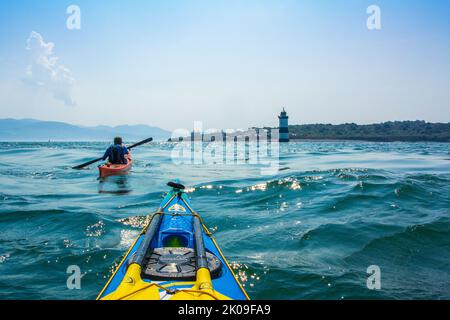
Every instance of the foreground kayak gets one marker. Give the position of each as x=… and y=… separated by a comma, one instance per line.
x=109, y=169
x=174, y=258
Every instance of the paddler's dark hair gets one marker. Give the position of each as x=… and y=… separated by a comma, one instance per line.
x=118, y=140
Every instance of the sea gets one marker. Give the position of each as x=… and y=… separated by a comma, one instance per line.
x=335, y=220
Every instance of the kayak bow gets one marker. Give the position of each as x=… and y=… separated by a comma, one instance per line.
x=175, y=257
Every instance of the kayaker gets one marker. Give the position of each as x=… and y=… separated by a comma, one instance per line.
x=116, y=152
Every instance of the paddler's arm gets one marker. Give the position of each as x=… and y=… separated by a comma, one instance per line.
x=106, y=153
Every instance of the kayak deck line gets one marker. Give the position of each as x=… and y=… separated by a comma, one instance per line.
x=156, y=268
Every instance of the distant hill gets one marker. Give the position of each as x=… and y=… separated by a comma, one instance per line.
x=387, y=131
x=36, y=130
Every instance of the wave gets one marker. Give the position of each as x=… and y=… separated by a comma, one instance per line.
x=307, y=232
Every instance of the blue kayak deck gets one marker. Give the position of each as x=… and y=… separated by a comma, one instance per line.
x=177, y=219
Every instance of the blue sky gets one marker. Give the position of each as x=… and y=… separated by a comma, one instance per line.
x=230, y=64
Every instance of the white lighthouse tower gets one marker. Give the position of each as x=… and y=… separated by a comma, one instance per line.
x=283, y=127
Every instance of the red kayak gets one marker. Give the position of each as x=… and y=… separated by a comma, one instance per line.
x=109, y=169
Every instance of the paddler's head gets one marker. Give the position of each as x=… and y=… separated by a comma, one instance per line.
x=118, y=140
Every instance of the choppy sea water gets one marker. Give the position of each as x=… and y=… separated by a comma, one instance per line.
x=308, y=232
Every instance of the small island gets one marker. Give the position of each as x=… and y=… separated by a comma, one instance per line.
x=411, y=131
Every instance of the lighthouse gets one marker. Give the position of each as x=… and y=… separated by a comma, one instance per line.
x=283, y=127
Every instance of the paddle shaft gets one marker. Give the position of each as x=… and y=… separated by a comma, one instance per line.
x=87, y=163
x=139, y=143
x=98, y=159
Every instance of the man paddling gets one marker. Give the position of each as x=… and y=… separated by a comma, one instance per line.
x=116, y=152
x=81, y=166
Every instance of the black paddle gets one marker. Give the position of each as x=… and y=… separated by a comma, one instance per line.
x=95, y=160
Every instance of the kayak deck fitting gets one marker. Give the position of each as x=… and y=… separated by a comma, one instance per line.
x=175, y=257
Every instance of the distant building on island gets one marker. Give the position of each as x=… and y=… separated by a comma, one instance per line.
x=283, y=126
x=254, y=133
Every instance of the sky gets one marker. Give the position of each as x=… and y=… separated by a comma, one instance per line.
x=228, y=63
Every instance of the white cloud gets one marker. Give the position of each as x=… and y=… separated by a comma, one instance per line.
x=45, y=71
